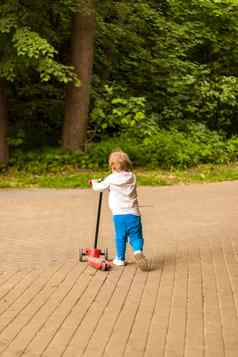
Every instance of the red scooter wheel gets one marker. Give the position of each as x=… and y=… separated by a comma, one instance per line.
x=81, y=255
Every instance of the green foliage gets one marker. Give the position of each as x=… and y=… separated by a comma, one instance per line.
x=166, y=149
x=30, y=44
x=232, y=148
x=28, y=113
x=220, y=107
x=116, y=114
x=171, y=149
x=7, y=23
x=33, y=39
x=29, y=48
x=164, y=84
x=180, y=56
x=17, y=139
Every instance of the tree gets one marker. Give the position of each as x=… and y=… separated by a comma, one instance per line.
x=180, y=55
x=3, y=124
x=77, y=98
x=26, y=34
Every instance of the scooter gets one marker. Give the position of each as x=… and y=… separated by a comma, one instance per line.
x=96, y=257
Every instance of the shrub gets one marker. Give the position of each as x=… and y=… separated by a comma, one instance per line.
x=164, y=149
x=116, y=113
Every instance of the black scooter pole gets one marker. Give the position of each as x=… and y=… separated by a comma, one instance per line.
x=98, y=220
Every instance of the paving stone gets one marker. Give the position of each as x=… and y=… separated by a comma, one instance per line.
x=51, y=305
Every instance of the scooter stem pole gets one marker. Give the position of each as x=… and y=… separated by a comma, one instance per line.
x=98, y=220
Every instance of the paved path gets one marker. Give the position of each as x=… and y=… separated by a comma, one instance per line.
x=187, y=305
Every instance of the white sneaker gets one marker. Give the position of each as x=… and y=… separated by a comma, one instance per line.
x=118, y=262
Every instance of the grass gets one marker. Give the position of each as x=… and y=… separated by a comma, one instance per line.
x=69, y=177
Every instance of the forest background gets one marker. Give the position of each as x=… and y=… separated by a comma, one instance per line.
x=161, y=76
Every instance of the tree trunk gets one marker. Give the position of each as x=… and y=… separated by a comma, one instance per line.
x=77, y=98
x=3, y=124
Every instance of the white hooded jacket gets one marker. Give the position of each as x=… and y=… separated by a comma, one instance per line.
x=122, y=192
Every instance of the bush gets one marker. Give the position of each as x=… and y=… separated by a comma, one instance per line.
x=170, y=148
x=164, y=149
x=116, y=113
x=232, y=148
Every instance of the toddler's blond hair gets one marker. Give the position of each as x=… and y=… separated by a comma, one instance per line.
x=119, y=161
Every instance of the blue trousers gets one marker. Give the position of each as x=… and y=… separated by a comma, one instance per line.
x=127, y=227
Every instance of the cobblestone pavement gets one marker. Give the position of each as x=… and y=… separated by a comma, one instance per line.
x=186, y=306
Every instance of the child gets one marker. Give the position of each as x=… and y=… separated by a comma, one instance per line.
x=123, y=203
